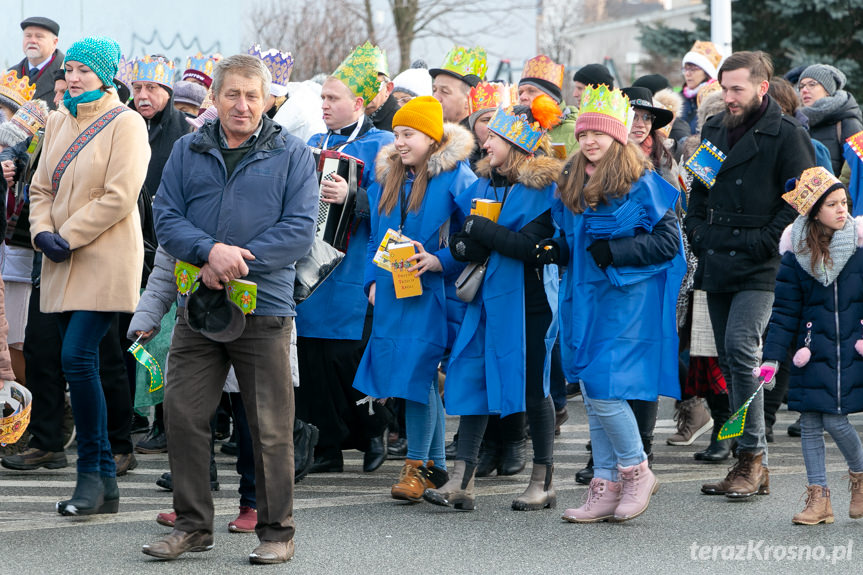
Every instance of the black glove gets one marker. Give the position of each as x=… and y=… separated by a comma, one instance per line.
x=547, y=252
x=477, y=226
x=465, y=249
x=53, y=246
x=601, y=252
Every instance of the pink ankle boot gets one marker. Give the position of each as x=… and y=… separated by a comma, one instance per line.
x=245, y=521
x=638, y=483
x=599, y=505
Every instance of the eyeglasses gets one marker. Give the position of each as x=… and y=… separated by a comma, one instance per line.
x=645, y=117
x=808, y=85
x=690, y=68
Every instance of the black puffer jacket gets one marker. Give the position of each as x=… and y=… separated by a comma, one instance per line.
x=734, y=227
x=833, y=120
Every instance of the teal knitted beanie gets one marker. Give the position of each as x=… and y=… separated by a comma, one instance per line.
x=99, y=53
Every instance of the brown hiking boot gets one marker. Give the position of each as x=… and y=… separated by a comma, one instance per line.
x=818, y=508
x=855, y=486
x=751, y=478
x=412, y=482
x=32, y=458
x=693, y=419
x=724, y=486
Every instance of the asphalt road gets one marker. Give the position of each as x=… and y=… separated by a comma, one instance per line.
x=347, y=524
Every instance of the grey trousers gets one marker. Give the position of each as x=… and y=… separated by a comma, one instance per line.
x=198, y=367
x=739, y=320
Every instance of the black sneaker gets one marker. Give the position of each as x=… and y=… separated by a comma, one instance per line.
x=155, y=442
x=32, y=458
x=165, y=481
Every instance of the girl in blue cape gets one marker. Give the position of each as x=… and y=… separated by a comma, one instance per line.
x=622, y=245
x=419, y=178
x=498, y=358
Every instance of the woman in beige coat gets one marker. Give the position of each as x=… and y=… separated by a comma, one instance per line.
x=84, y=218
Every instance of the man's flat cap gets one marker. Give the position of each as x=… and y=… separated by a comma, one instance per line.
x=42, y=22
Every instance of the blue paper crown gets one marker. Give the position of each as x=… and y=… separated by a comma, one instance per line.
x=278, y=63
x=158, y=70
x=516, y=129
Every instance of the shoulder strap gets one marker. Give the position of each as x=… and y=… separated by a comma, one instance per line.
x=82, y=140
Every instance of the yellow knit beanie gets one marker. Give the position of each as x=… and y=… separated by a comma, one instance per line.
x=424, y=114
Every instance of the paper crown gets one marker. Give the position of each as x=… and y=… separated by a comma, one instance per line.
x=124, y=71
x=809, y=187
x=704, y=55
x=200, y=67
x=543, y=68
x=20, y=400
x=278, y=63
x=359, y=71
x=18, y=90
x=487, y=95
x=157, y=70
x=516, y=129
x=606, y=101
x=466, y=61
x=30, y=117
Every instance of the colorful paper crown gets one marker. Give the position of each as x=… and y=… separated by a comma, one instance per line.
x=809, y=187
x=157, y=70
x=359, y=71
x=516, y=129
x=278, y=63
x=200, y=67
x=124, y=71
x=16, y=90
x=30, y=116
x=606, y=101
x=488, y=95
x=20, y=400
x=466, y=61
x=705, y=56
x=543, y=68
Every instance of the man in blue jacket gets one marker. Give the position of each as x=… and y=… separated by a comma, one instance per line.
x=238, y=198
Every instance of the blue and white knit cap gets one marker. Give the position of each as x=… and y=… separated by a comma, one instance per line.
x=99, y=53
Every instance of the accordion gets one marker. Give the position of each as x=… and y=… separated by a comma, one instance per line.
x=334, y=220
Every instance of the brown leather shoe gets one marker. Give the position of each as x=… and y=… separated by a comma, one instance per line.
x=178, y=542
x=751, y=477
x=125, y=462
x=272, y=552
x=741, y=467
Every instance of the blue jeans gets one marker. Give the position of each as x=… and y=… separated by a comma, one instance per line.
x=81, y=332
x=813, y=424
x=739, y=320
x=614, y=435
x=245, y=455
x=425, y=426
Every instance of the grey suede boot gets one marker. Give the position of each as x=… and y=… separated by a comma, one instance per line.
x=458, y=492
x=540, y=491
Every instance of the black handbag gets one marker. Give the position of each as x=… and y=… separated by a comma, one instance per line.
x=469, y=280
x=315, y=267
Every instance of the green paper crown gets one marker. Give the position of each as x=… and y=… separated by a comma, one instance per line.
x=464, y=61
x=606, y=101
x=359, y=71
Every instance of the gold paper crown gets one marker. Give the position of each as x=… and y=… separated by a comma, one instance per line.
x=13, y=427
x=359, y=71
x=543, y=68
x=18, y=90
x=808, y=189
x=158, y=70
x=708, y=50
x=201, y=63
x=607, y=101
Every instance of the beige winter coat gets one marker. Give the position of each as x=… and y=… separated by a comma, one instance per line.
x=95, y=210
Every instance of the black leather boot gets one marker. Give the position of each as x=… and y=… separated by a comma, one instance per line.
x=489, y=458
x=88, y=498
x=514, y=457
x=584, y=476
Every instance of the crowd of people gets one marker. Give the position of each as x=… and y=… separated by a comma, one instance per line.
x=494, y=250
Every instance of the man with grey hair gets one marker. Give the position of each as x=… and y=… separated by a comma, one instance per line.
x=42, y=58
x=238, y=199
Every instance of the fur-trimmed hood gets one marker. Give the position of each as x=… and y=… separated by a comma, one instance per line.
x=671, y=100
x=536, y=173
x=785, y=244
x=457, y=144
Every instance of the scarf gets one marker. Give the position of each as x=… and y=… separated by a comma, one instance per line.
x=843, y=244
x=693, y=92
x=735, y=134
x=71, y=102
x=831, y=108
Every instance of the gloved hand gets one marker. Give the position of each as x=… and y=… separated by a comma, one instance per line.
x=547, y=252
x=601, y=252
x=53, y=246
x=476, y=226
x=767, y=374
x=466, y=249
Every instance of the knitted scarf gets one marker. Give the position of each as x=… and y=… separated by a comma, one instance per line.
x=71, y=102
x=831, y=108
x=843, y=244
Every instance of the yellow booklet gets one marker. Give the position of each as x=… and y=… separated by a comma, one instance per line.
x=382, y=256
x=486, y=208
x=404, y=281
